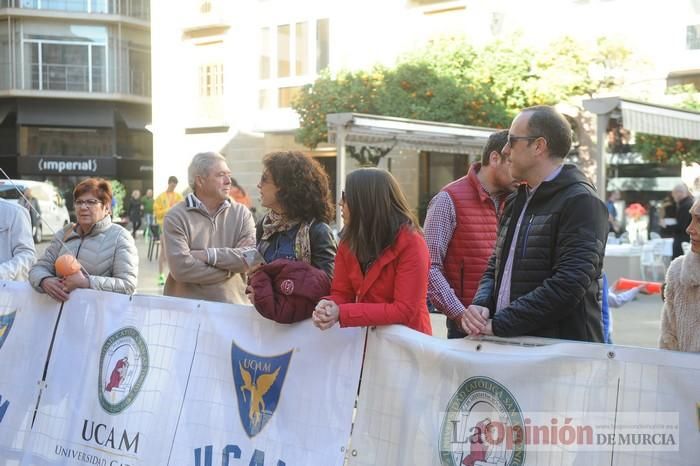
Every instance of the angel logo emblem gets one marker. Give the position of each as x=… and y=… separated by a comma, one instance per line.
x=258, y=381
x=6, y=322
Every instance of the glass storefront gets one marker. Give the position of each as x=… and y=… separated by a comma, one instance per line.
x=90, y=142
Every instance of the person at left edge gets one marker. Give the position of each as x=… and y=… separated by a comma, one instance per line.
x=206, y=235
x=17, y=252
x=381, y=269
x=106, y=251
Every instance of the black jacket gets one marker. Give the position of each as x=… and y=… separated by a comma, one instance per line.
x=557, y=267
x=683, y=219
x=323, y=245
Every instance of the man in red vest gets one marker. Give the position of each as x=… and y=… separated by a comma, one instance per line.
x=460, y=229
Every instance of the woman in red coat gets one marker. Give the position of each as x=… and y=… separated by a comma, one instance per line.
x=381, y=269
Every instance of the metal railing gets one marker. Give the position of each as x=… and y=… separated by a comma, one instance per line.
x=133, y=8
x=61, y=77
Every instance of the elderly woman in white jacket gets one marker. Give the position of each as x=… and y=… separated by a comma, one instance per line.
x=106, y=251
x=680, y=321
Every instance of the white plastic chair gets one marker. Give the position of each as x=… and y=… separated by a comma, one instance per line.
x=651, y=260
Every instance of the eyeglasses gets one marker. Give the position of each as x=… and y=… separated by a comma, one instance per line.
x=87, y=202
x=512, y=139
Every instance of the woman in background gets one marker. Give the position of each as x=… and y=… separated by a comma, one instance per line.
x=106, y=251
x=381, y=270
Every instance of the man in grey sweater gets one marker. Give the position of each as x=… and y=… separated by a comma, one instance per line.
x=206, y=236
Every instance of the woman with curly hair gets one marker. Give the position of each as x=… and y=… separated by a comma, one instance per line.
x=293, y=237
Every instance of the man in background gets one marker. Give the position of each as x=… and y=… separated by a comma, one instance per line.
x=684, y=201
x=30, y=203
x=460, y=230
x=163, y=203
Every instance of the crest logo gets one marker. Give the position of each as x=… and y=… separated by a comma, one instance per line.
x=6, y=322
x=258, y=381
x=287, y=287
x=123, y=369
x=483, y=425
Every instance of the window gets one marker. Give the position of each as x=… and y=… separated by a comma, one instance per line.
x=68, y=141
x=211, y=80
x=290, y=56
x=4, y=56
x=65, y=58
x=693, y=37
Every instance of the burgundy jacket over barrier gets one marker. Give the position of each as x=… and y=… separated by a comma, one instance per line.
x=474, y=237
x=287, y=291
x=392, y=292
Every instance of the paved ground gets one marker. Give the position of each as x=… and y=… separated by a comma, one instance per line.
x=636, y=324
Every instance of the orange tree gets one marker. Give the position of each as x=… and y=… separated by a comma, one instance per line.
x=453, y=82
x=666, y=149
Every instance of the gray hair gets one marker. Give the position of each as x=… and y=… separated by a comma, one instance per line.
x=201, y=164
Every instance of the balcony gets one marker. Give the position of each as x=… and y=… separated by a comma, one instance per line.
x=139, y=9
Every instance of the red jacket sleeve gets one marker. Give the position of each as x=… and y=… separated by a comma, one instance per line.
x=342, y=290
x=410, y=288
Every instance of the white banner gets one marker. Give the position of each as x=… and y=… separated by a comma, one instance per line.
x=116, y=380
x=26, y=323
x=145, y=381
x=263, y=393
x=434, y=402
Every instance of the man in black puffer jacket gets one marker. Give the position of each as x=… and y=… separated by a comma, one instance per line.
x=547, y=282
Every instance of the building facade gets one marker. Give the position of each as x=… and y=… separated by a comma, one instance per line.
x=227, y=72
x=75, y=91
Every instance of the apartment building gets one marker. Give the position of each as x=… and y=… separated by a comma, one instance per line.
x=227, y=72
x=75, y=90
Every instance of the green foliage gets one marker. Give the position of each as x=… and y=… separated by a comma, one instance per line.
x=347, y=92
x=118, y=193
x=453, y=82
x=665, y=149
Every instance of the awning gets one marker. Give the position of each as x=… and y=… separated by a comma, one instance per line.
x=135, y=117
x=401, y=133
x=356, y=129
x=648, y=118
x=641, y=117
x=74, y=114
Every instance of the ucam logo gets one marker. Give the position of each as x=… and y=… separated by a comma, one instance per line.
x=483, y=425
x=258, y=382
x=6, y=321
x=123, y=368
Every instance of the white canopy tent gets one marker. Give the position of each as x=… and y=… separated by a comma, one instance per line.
x=642, y=117
x=388, y=132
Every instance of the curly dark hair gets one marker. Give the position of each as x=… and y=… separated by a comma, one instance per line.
x=304, y=191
